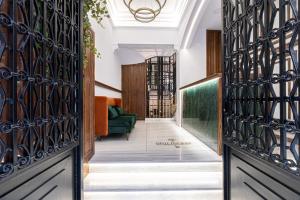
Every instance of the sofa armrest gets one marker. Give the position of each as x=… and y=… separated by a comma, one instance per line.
x=101, y=116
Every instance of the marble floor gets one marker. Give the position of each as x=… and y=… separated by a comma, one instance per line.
x=160, y=161
x=154, y=141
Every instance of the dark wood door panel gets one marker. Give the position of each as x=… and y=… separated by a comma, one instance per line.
x=88, y=103
x=52, y=179
x=251, y=183
x=213, y=52
x=134, y=89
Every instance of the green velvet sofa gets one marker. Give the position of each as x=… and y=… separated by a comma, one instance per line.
x=120, y=122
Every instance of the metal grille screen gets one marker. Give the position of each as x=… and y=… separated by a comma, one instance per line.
x=161, y=87
x=39, y=80
x=262, y=79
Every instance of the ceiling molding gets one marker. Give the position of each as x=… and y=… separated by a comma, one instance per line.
x=147, y=51
x=170, y=16
x=194, y=23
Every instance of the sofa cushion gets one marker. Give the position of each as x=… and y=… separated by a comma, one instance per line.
x=118, y=130
x=119, y=110
x=130, y=119
x=130, y=114
x=112, y=113
x=119, y=122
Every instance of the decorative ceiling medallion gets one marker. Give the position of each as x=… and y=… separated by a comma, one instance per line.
x=145, y=11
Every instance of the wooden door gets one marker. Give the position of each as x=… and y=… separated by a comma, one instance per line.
x=213, y=52
x=88, y=104
x=134, y=89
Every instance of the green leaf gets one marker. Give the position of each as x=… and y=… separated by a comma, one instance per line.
x=98, y=10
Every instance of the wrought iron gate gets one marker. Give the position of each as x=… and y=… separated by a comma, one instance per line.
x=261, y=117
x=161, y=87
x=40, y=99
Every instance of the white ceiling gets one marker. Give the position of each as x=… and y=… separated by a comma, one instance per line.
x=170, y=16
x=176, y=27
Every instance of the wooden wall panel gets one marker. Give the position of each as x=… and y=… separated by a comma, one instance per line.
x=213, y=52
x=134, y=89
x=88, y=105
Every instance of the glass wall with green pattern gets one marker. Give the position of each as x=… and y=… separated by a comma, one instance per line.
x=200, y=112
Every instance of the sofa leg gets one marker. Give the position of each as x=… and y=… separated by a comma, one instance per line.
x=127, y=136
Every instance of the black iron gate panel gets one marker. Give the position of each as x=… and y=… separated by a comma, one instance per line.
x=40, y=75
x=161, y=87
x=262, y=82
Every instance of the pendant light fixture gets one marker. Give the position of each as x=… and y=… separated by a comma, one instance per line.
x=145, y=11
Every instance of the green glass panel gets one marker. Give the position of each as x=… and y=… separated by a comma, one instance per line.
x=200, y=112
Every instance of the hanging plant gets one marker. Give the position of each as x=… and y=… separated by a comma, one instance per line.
x=96, y=9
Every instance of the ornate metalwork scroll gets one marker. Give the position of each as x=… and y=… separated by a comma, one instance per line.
x=161, y=87
x=262, y=79
x=39, y=80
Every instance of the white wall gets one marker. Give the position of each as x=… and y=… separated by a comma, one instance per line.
x=192, y=61
x=99, y=91
x=129, y=56
x=108, y=67
x=191, y=66
x=145, y=36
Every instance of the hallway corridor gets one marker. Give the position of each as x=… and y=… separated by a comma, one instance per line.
x=160, y=161
x=153, y=141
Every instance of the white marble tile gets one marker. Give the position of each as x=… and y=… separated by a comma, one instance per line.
x=156, y=195
x=153, y=181
x=143, y=145
x=155, y=167
x=143, y=168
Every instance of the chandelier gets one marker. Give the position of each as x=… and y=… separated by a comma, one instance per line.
x=145, y=11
